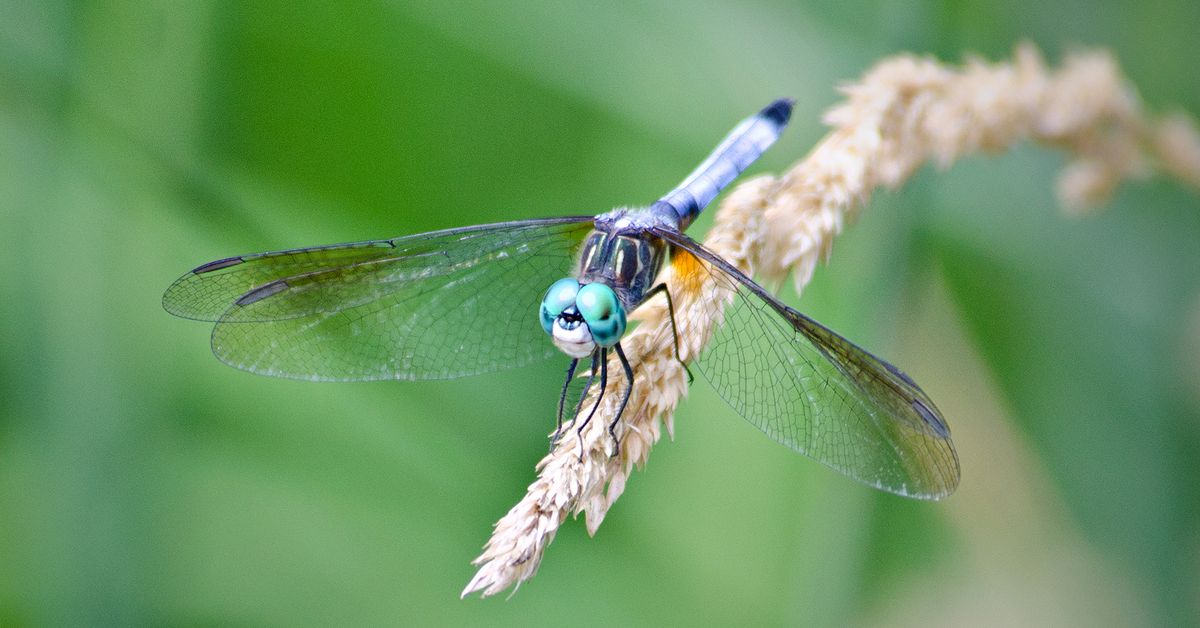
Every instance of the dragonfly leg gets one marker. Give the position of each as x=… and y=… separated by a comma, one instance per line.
x=624, y=400
x=562, y=400
x=662, y=287
x=603, y=359
x=578, y=404
x=586, y=387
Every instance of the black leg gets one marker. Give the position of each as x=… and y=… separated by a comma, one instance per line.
x=662, y=287
x=586, y=387
x=562, y=400
x=624, y=400
x=582, y=396
x=599, y=397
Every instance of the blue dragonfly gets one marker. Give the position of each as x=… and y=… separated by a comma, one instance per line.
x=464, y=301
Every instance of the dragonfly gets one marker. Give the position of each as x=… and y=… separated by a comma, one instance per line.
x=477, y=299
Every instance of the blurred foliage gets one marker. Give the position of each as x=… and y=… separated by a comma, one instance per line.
x=143, y=482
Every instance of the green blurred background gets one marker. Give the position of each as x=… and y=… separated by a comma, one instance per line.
x=143, y=482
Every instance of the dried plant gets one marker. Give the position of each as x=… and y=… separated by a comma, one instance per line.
x=905, y=111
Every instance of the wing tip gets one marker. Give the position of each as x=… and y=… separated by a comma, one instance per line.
x=261, y=292
x=217, y=265
x=931, y=418
x=175, y=303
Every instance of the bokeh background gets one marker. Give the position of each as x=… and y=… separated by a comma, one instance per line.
x=143, y=482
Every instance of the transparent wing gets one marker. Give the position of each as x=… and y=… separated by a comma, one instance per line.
x=814, y=391
x=208, y=290
x=429, y=306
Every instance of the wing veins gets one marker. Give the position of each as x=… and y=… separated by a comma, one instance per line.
x=848, y=408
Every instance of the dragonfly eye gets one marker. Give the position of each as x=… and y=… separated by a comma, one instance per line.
x=559, y=297
x=602, y=312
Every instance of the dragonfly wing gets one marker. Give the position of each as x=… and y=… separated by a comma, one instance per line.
x=205, y=292
x=431, y=306
x=814, y=391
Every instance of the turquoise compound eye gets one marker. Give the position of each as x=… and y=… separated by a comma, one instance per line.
x=602, y=312
x=559, y=297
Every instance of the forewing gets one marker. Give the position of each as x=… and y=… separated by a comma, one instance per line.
x=816, y=392
x=438, y=305
x=207, y=291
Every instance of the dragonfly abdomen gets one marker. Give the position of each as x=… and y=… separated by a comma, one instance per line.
x=744, y=144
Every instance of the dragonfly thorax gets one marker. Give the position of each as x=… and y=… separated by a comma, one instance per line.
x=627, y=260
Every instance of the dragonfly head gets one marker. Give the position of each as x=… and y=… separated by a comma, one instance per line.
x=578, y=318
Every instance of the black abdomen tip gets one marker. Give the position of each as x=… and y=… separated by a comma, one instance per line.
x=778, y=111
